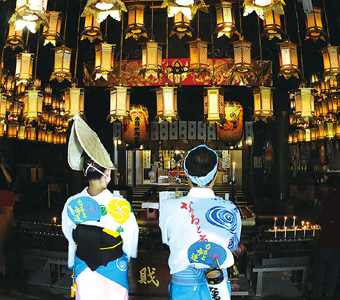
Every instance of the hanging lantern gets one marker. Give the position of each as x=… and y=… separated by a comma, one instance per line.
x=242, y=55
x=333, y=85
x=330, y=130
x=15, y=110
x=30, y=14
x=295, y=137
x=198, y=61
x=74, y=101
x=24, y=67
x=263, y=103
x=304, y=103
x=41, y=135
x=313, y=134
x=91, y=29
x=51, y=30
x=301, y=135
x=333, y=104
x=214, y=104
x=325, y=87
x=31, y=133
x=314, y=28
x=321, y=132
x=231, y=130
x=32, y=104
x=324, y=108
x=166, y=98
x=290, y=138
x=62, y=64
x=135, y=27
x=10, y=84
x=22, y=132
x=3, y=106
x=14, y=38
x=225, y=19
x=119, y=103
x=307, y=135
x=2, y=129
x=104, y=60
x=331, y=66
x=49, y=137
x=135, y=129
x=188, y=7
x=101, y=9
x=272, y=25
x=289, y=63
x=12, y=130
x=151, y=59
x=181, y=26
x=337, y=130
x=263, y=7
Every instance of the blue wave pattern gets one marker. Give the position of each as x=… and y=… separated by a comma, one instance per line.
x=226, y=219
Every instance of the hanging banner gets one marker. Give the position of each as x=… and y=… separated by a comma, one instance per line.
x=225, y=74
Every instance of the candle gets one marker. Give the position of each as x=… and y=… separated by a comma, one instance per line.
x=54, y=220
x=234, y=169
x=314, y=230
x=307, y=224
x=295, y=231
x=284, y=223
x=302, y=223
x=275, y=219
x=285, y=231
x=294, y=221
x=304, y=231
x=275, y=231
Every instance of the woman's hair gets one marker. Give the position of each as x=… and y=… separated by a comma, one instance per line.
x=200, y=162
x=89, y=168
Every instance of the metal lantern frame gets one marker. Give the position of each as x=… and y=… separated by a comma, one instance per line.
x=242, y=55
x=166, y=99
x=263, y=102
x=62, y=64
x=74, y=101
x=181, y=25
x=51, y=30
x=151, y=59
x=91, y=29
x=136, y=27
x=119, y=102
x=331, y=64
x=225, y=19
x=3, y=106
x=314, y=27
x=33, y=104
x=304, y=103
x=214, y=110
x=289, y=62
x=198, y=60
x=24, y=67
x=272, y=25
x=104, y=60
x=14, y=38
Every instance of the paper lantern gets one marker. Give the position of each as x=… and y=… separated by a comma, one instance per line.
x=14, y=38
x=272, y=25
x=181, y=26
x=166, y=98
x=225, y=19
x=74, y=101
x=263, y=103
x=101, y=9
x=104, y=60
x=314, y=28
x=331, y=66
x=24, y=67
x=62, y=64
x=304, y=103
x=214, y=108
x=135, y=130
x=135, y=27
x=32, y=104
x=91, y=29
x=231, y=130
x=289, y=63
x=119, y=102
x=198, y=61
x=151, y=59
x=242, y=55
x=51, y=30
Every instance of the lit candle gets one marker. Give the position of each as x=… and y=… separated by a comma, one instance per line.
x=234, y=170
x=284, y=223
x=275, y=219
x=307, y=224
x=54, y=220
x=295, y=231
x=304, y=231
x=275, y=231
x=314, y=230
x=285, y=231
x=302, y=223
x=294, y=218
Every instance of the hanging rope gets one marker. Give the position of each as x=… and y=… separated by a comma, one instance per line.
x=77, y=49
x=121, y=50
x=300, y=44
x=324, y=9
x=240, y=17
x=66, y=17
x=260, y=44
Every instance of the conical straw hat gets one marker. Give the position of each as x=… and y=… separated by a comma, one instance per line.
x=83, y=138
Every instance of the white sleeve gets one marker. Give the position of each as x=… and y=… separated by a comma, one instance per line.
x=163, y=221
x=130, y=236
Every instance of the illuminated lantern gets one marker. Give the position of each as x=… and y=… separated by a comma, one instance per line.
x=214, y=110
x=119, y=102
x=101, y=9
x=272, y=25
x=181, y=26
x=91, y=29
x=289, y=63
x=325, y=87
x=333, y=104
x=12, y=130
x=314, y=25
x=225, y=19
x=313, y=134
x=10, y=84
x=321, y=132
x=330, y=130
x=304, y=103
x=30, y=14
x=295, y=137
x=62, y=64
x=166, y=103
x=290, y=138
x=135, y=130
x=51, y=31
x=301, y=135
x=263, y=7
x=31, y=133
x=198, y=61
x=104, y=60
x=32, y=104
x=333, y=85
x=331, y=66
x=24, y=67
x=263, y=102
x=2, y=129
x=22, y=132
x=74, y=101
x=15, y=109
x=231, y=130
x=324, y=108
x=337, y=130
x=242, y=55
x=151, y=59
x=307, y=135
x=3, y=106
x=14, y=38
x=49, y=137
x=41, y=135
x=135, y=27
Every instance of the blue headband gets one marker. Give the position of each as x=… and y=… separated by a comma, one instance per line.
x=203, y=180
